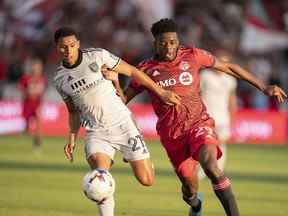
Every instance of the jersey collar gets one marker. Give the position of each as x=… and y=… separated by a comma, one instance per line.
x=78, y=62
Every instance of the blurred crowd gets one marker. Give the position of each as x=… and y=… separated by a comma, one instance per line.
x=254, y=32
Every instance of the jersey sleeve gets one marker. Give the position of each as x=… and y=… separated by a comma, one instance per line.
x=204, y=58
x=136, y=86
x=110, y=59
x=63, y=95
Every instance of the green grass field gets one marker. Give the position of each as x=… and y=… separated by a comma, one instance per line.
x=47, y=185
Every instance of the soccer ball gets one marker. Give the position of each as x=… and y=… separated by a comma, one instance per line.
x=98, y=185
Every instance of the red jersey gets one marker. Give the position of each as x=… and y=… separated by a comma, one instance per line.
x=182, y=77
x=32, y=87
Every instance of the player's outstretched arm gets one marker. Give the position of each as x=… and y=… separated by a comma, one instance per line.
x=168, y=97
x=240, y=73
x=74, y=125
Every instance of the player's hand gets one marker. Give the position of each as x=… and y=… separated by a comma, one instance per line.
x=275, y=91
x=68, y=151
x=109, y=74
x=170, y=98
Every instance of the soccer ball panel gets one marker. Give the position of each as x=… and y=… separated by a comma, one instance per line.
x=98, y=185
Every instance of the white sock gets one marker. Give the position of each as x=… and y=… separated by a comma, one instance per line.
x=107, y=207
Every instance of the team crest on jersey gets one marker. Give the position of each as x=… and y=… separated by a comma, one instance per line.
x=184, y=65
x=185, y=78
x=94, y=67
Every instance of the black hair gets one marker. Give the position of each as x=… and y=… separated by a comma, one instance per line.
x=163, y=26
x=64, y=32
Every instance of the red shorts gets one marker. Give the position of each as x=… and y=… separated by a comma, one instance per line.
x=30, y=109
x=183, y=152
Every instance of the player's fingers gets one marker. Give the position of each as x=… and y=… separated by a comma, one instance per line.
x=282, y=92
x=178, y=97
x=169, y=103
x=176, y=101
x=68, y=153
x=175, y=98
x=71, y=148
x=278, y=95
x=173, y=101
x=280, y=99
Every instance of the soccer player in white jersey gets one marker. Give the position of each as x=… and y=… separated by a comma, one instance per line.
x=92, y=102
x=221, y=108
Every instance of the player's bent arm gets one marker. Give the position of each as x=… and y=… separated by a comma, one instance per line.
x=74, y=120
x=119, y=90
x=127, y=95
x=168, y=97
x=129, y=70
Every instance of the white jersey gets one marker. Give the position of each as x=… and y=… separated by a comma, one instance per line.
x=215, y=91
x=94, y=96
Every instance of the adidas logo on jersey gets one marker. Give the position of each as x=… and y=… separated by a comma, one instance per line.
x=70, y=78
x=155, y=73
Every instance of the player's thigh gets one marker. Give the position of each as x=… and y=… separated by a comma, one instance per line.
x=203, y=140
x=131, y=142
x=178, y=152
x=135, y=151
x=99, y=152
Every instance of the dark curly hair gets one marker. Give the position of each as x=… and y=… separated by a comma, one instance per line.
x=163, y=26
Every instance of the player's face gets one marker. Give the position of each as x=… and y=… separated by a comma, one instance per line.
x=166, y=46
x=37, y=68
x=68, y=48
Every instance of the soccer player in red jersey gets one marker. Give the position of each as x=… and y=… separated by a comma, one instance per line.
x=32, y=86
x=186, y=131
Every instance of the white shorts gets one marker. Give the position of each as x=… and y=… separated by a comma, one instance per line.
x=125, y=137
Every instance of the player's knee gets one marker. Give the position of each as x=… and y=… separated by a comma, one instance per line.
x=99, y=160
x=189, y=181
x=187, y=170
x=212, y=170
x=146, y=179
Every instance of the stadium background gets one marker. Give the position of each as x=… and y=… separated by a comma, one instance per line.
x=256, y=34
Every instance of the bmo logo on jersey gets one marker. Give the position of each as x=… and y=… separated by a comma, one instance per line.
x=167, y=82
x=185, y=78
